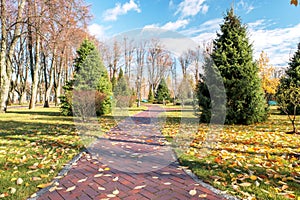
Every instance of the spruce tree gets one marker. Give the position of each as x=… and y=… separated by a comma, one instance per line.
x=150, y=96
x=292, y=78
x=122, y=92
x=232, y=56
x=162, y=94
x=90, y=79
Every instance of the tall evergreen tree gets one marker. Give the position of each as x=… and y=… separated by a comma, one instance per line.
x=232, y=57
x=162, y=94
x=90, y=78
x=292, y=78
x=122, y=92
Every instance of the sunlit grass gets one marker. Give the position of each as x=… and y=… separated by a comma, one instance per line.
x=255, y=162
x=34, y=146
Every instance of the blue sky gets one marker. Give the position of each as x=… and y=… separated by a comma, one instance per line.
x=273, y=26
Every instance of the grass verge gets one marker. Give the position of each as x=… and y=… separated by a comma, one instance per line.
x=259, y=161
x=34, y=147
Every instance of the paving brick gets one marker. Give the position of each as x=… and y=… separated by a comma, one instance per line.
x=136, y=138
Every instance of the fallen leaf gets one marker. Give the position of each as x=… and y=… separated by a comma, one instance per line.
x=193, y=192
x=115, y=179
x=98, y=175
x=3, y=195
x=71, y=188
x=101, y=188
x=36, y=178
x=139, y=187
x=13, y=190
x=107, y=169
x=44, y=176
x=246, y=184
x=167, y=183
x=111, y=195
x=33, y=195
x=19, y=181
x=253, y=177
x=52, y=189
x=116, y=192
x=202, y=195
x=82, y=180
x=41, y=186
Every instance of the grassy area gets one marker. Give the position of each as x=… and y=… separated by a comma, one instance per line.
x=259, y=161
x=34, y=146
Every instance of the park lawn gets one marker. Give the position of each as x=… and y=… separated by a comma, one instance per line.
x=250, y=162
x=34, y=147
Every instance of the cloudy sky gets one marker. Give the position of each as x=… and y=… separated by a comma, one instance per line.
x=273, y=25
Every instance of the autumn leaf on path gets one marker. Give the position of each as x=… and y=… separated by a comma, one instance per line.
x=193, y=192
x=139, y=187
x=71, y=188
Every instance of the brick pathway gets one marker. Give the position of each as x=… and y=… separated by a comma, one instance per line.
x=132, y=162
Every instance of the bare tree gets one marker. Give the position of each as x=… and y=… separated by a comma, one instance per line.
x=140, y=53
x=9, y=24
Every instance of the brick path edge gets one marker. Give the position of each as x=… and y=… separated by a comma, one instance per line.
x=61, y=174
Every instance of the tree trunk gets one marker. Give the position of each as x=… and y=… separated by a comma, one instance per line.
x=4, y=81
x=48, y=87
x=35, y=72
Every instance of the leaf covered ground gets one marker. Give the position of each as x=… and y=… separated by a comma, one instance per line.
x=34, y=146
x=259, y=161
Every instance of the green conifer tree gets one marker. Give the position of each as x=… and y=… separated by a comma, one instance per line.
x=232, y=56
x=162, y=94
x=91, y=78
x=122, y=92
x=150, y=96
x=292, y=78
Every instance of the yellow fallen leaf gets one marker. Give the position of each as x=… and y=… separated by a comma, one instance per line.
x=116, y=192
x=52, y=189
x=33, y=195
x=71, y=188
x=193, y=192
x=284, y=187
x=13, y=179
x=44, y=176
x=106, y=168
x=41, y=186
x=202, y=195
x=253, y=177
x=111, y=195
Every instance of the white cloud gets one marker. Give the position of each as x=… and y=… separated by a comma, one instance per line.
x=278, y=43
x=151, y=26
x=113, y=13
x=245, y=6
x=205, y=31
x=98, y=31
x=173, y=26
x=189, y=8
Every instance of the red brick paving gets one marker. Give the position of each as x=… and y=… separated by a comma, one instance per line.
x=130, y=153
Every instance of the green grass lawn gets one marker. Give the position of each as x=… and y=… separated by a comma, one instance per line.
x=251, y=162
x=34, y=146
